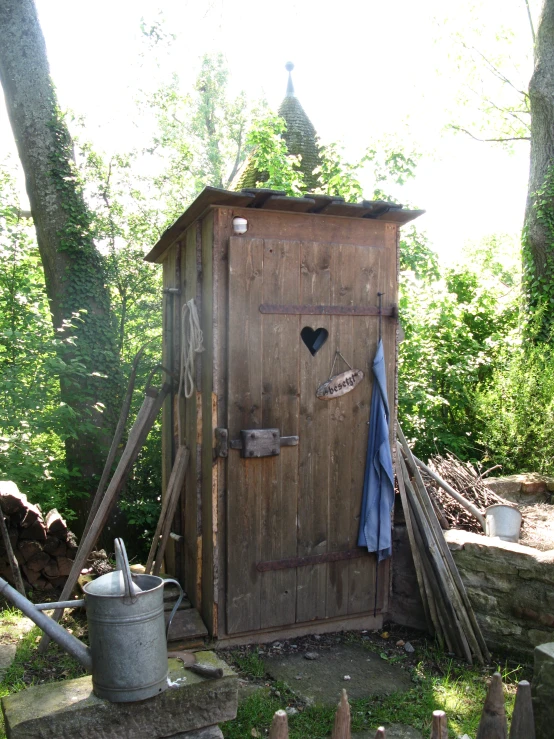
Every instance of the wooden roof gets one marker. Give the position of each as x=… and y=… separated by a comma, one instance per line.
x=263, y=199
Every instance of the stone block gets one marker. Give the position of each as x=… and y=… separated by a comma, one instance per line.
x=504, y=485
x=481, y=601
x=537, y=637
x=500, y=627
x=542, y=689
x=7, y=656
x=69, y=709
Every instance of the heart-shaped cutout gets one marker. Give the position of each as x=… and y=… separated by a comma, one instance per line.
x=314, y=338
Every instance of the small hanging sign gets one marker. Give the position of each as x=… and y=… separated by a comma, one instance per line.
x=338, y=385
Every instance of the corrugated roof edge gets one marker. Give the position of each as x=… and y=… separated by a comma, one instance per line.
x=262, y=199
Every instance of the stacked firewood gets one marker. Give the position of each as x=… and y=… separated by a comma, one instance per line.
x=43, y=545
x=468, y=481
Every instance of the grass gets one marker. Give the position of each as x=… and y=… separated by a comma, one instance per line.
x=439, y=682
x=29, y=667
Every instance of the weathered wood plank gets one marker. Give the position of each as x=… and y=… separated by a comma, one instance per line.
x=342, y=433
x=244, y=411
x=207, y=583
x=313, y=498
x=167, y=361
x=280, y=406
x=189, y=408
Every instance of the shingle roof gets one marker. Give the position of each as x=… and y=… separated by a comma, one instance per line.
x=265, y=199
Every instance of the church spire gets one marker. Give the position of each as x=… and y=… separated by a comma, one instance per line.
x=289, y=66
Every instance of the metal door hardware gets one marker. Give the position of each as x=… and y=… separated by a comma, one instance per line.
x=254, y=443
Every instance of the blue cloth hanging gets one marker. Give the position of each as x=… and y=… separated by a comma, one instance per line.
x=378, y=494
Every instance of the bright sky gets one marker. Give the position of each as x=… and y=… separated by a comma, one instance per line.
x=362, y=69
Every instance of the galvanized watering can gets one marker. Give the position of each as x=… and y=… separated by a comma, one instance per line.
x=127, y=632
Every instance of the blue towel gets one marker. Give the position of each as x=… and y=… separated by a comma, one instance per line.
x=378, y=495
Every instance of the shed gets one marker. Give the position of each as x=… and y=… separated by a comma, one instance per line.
x=269, y=523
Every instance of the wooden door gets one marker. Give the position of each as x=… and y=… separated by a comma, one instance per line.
x=306, y=501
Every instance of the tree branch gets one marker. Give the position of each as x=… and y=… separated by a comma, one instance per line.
x=530, y=20
x=507, y=138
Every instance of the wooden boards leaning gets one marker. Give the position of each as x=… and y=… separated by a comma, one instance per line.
x=446, y=603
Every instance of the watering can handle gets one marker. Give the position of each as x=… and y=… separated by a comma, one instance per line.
x=122, y=563
x=177, y=604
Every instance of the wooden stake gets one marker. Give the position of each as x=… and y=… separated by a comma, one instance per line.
x=380, y=734
x=413, y=545
x=137, y=436
x=14, y=564
x=493, y=724
x=279, y=726
x=523, y=721
x=341, y=729
x=464, y=611
x=172, y=495
x=439, y=729
x=124, y=414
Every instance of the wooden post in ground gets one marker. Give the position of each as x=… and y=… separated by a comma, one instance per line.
x=493, y=724
x=279, y=726
x=439, y=729
x=523, y=720
x=381, y=734
x=341, y=730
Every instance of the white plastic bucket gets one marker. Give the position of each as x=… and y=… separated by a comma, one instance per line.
x=503, y=521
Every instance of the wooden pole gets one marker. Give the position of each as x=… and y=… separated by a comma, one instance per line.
x=493, y=724
x=124, y=414
x=523, y=721
x=439, y=729
x=173, y=493
x=14, y=564
x=380, y=734
x=279, y=726
x=470, y=628
x=341, y=729
x=137, y=436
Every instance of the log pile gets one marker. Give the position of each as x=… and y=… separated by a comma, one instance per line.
x=464, y=478
x=43, y=545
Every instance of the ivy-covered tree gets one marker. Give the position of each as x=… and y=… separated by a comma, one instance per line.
x=538, y=234
x=73, y=268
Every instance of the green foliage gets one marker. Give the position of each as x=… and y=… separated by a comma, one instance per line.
x=515, y=411
x=34, y=423
x=392, y=166
x=454, y=327
x=270, y=155
x=337, y=177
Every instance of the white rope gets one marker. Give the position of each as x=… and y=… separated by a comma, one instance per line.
x=191, y=344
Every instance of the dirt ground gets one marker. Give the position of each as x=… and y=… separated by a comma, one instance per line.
x=538, y=526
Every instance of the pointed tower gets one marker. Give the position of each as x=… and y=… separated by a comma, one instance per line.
x=300, y=137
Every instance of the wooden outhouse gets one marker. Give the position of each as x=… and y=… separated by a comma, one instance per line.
x=269, y=519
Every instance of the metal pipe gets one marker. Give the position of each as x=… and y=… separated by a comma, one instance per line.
x=454, y=493
x=60, y=604
x=66, y=640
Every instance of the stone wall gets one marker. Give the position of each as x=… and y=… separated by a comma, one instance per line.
x=511, y=588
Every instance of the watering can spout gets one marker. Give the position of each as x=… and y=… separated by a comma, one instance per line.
x=66, y=640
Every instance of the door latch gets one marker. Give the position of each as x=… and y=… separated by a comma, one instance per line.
x=254, y=443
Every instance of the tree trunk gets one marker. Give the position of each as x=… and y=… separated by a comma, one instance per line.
x=73, y=268
x=538, y=237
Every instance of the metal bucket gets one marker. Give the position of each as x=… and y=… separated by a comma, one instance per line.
x=503, y=521
x=127, y=636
